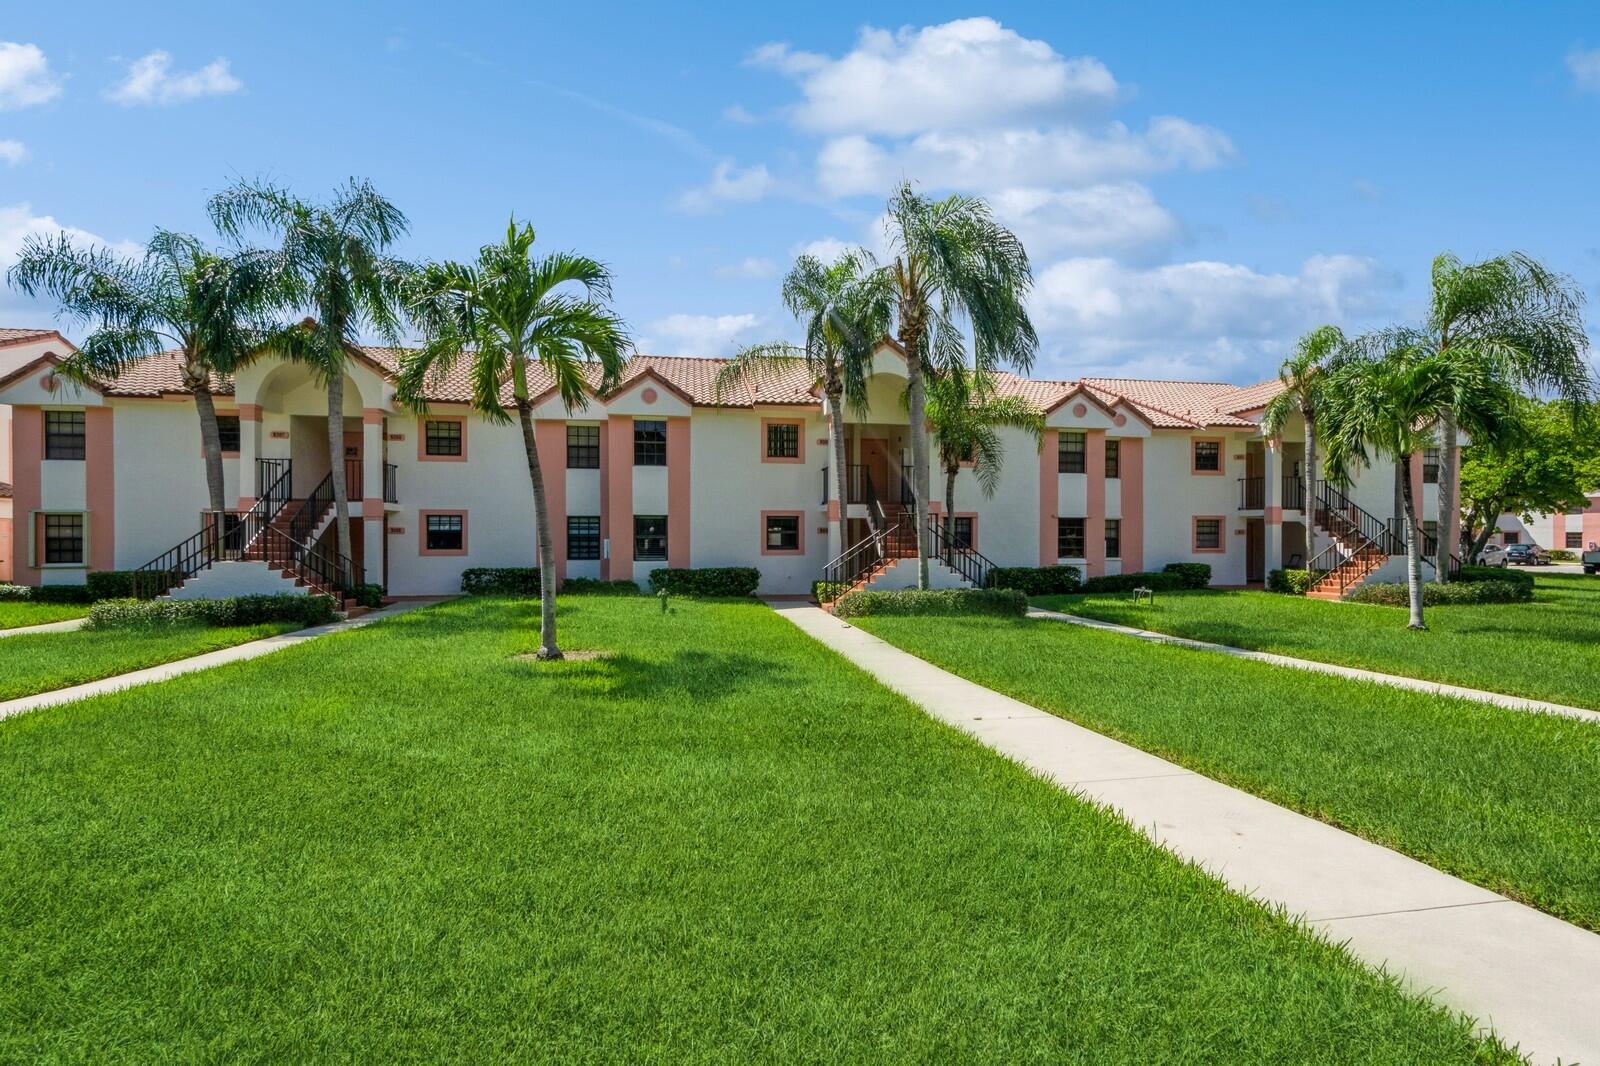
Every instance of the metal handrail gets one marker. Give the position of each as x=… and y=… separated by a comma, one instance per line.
x=223, y=535
x=315, y=505
x=391, y=483
x=964, y=559
x=1252, y=493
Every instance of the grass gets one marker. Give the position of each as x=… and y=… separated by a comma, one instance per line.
x=1502, y=798
x=40, y=662
x=719, y=843
x=14, y=614
x=1548, y=649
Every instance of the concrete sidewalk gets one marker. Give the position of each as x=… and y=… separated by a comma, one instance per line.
x=47, y=627
x=1534, y=979
x=238, y=653
x=1436, y=688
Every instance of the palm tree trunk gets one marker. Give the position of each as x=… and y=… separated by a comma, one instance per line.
x=211, y=454
x=1413, y=554
x=1311, y=486
x=547, y=549
x=911, y=333
x=1447, y=495
x=950, y=473
x=1401, y=473
x=341, y=491
x=841, y=471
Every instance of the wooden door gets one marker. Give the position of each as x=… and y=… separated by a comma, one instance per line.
x=1255, y=555
x=875, y=457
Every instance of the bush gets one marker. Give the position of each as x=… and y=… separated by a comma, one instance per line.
x=368, y=596
x=1468, y=575
x=59, y=594
x=932, y=601
x=706, y=581
x=1156, y=582
x=1037, y=580
x=1193, y=575
x=500, y=581
x=1390, y=594
x=1292, y=582
x=111, y=584
x=1563, y=555
x=234, y=611
x=588, y=586
x=15, y=592
x=823, y=591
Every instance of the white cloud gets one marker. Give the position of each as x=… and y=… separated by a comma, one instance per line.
x=151, y=80
x=1584, y=63
x=739, y=115
x=17, y=223
x=700, y=335
x=1122, y=217
x=752, y=268
x=12, y=152
x=728, y=184
x=1205, y=319
x=963, y=74
x=826, y=249
x=25, y=78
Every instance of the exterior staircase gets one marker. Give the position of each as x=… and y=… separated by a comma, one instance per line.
x=1362, y=544
x=888, y=560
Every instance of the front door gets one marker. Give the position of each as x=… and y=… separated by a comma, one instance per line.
x=875, y=457
x=1255, y=554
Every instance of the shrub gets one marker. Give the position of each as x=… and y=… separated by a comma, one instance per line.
x=1037, y=580
x=823, y=591
x=1468, y=575
x=1193, y=575
x=932, y=601
x=59, y=594
x=500, y=581
x=589, y=586
x=706, y=580
x=110, y=584
x=1156, y=582
x=1563, y=555
x=1434, y=594
x=1293, y=582
x=15, y=592
x=234, y=611
x=368, y=595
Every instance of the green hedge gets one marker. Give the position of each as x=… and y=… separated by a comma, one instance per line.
x=234, y=611
x=368, y=596
x=1563, y=555
x=1292, y=582
x=932, y=601
x=589, y=586
x=59, y=594
x=823, y=591
x=1156, y=582
x=97, y=585
x=1434, y=594
x=706, y=580
x=500, y=581
x=1193, y=575
x=111, y=584
x=1037, y=580
x=15, y=592
x=1472, y=574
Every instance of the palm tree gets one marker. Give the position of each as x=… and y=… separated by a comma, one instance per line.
x=966, y=417
x=506, y=314
x=1394, y=406
x=334, y=264
x=953, y=265
x=1522, y=323
x=209, y=307
x=846, y=311
x=1302, y=375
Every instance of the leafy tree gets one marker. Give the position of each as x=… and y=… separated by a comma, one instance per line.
x=334, y=265
x=1302, y=375
x=966, y=418
x=509, y=314
x=1553, y=464
x=953, y=266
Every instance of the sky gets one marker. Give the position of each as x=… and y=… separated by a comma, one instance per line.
x=1197, y=185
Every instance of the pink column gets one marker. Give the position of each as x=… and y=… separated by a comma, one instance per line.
x=619, y=498
x=550, y=438
x=1049, y=498
x=100, y=497
x=1094, y=524
x=27, y=451
x=678, y=492
x=1130, y=465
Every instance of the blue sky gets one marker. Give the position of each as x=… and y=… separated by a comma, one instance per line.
x=1195, y=187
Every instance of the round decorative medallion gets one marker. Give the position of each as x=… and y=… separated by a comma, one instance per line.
x=1120, y=419
x=649, y=395
x=1079, y=410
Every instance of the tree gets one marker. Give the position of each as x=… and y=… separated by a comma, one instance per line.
x=508, y=314
x=1553, y=464
x=210, y=307
x=953, y=266
x=966, y=418
x=846, y=312
x=1302, y=375
x=1519, y=322
x=1393, y=406
x=333, y=263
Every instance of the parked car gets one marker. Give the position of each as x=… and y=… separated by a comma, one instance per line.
x=1591, y=560
x=1492, y=555
x=1527, y=555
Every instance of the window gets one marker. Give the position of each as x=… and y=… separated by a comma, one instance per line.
x=782, y=533
x=1208, y=535
x=1511, y=537
x=783, y=440
x=1430, y=466
x=228, y=432
x=961, y=529
x=1207, y=457
x=63, y=435
x=1069, y=538
x=1071, y=453
x=1113, y=538
x=649, y=445
x=583, y=536
x=442, y=439
x=583, y=449
x=63, y=538
x=650, y=534
x=445, y=532
x=1112, y=458
x=1574, y=538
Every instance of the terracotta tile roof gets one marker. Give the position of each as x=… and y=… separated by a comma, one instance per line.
x=1185, y=403
x=159, y=375
x=11, y=335
x=1253, y=396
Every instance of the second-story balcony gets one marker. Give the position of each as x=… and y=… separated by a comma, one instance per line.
x=1253, y=493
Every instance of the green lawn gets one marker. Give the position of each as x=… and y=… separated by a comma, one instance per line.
x=1548, y=649
x=15, y=614
x=1503, y=798
x=44, y=661
x=721, y=843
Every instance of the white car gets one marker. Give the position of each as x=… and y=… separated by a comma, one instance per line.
x=1492, y=555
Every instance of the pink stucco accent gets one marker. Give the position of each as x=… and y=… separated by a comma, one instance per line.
x=649, y=395
x=800, y=457
x=1130, y=467
x=371, y=416
x=422, y=439
x=678, y=492
x=1416, y=483
x=249, y=412
x=1049, y=497
x=1273, y=516
x=800, y=524
x=617, y=491
x=422, y=532
x=1591, y=526
x=833, y=510
x=100, y=495
x=550, y=438
x=27, y=451
x=1079, y=410
x=1094, y=525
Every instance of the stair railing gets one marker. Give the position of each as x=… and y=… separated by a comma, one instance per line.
x=961, y=557
x=223, y=535
x=845, y=570
x=315, y=505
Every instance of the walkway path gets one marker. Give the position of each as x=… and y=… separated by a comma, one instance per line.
x=1533, y=978
x=48, y=627
x=1499, y=699
x=238, y=653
